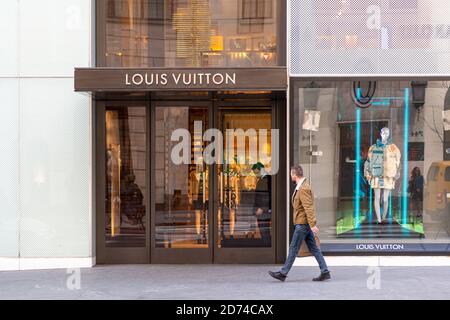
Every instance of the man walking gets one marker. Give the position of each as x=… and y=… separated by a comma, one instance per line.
x=304, y=219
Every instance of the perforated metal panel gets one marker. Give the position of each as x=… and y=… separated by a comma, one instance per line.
x=376, y=37
x=54, y=170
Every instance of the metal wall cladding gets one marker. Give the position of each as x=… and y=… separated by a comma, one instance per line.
x=373, y=37
x=45, y=187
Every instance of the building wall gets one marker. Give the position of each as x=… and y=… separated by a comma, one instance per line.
x=369, y=37
x=45, y=209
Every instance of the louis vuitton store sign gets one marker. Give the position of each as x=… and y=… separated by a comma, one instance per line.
x=111, y=79
x=175, y=79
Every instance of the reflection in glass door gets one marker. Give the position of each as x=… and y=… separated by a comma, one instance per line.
x=181, y=189
x=245, y=187
x=126, y=169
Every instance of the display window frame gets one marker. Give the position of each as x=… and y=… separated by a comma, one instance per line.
x=360, y=246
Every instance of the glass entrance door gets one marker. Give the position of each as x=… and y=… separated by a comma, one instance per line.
x=245, y=210
x=159, y=199
x=122, y=176
x=181, y=184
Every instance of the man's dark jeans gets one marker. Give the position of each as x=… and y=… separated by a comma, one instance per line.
x=302, y=233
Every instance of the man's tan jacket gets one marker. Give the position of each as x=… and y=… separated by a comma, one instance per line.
x=303, y=203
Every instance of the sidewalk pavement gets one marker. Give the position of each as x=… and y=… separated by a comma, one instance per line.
x=232, y=282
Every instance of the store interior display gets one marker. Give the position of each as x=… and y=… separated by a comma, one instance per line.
x=376, y=158
x=191, y=33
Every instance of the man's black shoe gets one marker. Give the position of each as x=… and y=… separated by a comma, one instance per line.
x=277, y=275
x=323, y=277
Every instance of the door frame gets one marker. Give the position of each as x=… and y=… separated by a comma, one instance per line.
x=117, y=255
x=179, y=255
x=245, y=255
x=276, y=102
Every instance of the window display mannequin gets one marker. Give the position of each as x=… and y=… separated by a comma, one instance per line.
x=382, y=171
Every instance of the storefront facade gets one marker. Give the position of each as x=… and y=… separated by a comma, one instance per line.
x=96, y=112
x=166, y=66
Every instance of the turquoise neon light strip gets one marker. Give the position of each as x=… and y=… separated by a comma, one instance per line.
x=357, y=164
x=370, y=187
x=381, y=103
x=387, y=98
x=405, y=159
x=385, y=102
x=390, y=208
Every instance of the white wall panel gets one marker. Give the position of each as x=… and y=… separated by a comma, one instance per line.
x=54, y=166
x=9, y=64
x=54, y=37
x=9, y=171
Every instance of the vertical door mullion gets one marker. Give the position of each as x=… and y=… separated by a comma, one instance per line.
x=213, y=224
x=100, y=183
x=214, y=185
x=148, y=161
x=152, y=216
x=275, y=181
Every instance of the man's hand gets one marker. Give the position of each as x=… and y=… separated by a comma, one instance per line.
x=315, y=230
x=259, y=211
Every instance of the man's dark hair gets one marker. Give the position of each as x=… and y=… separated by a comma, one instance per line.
x=297, y=170
x=258, y=166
